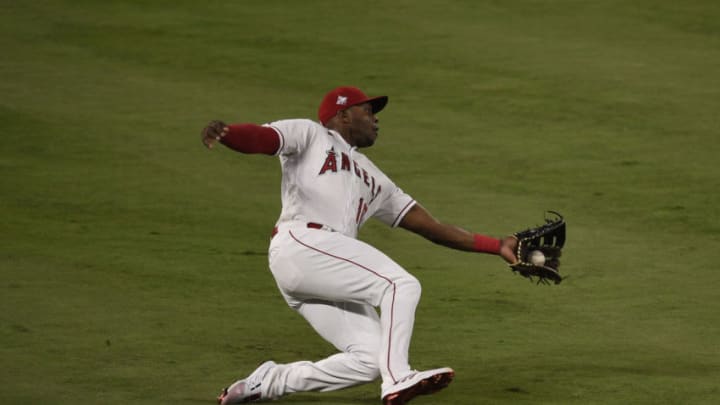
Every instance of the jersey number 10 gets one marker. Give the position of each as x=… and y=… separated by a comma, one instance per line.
x=362, y=210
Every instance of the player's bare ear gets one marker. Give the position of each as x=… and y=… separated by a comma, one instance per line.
x=345, y=115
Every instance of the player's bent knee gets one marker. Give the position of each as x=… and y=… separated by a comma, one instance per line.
x=409, y=286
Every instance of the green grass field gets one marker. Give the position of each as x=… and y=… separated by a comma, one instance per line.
x=133, y=260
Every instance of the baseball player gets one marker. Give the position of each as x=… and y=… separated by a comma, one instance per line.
x=335, y=281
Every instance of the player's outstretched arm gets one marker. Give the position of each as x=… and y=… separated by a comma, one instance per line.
x=421, y=222
x=245, y=138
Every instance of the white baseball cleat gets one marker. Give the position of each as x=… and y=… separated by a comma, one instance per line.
x=247, y=390
x=417, y=383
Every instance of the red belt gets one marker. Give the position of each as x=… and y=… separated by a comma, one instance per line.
x=313, y=225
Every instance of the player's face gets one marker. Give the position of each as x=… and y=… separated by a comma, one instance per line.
x=363, y=125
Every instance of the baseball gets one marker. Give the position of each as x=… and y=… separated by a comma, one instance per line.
x=537, y=258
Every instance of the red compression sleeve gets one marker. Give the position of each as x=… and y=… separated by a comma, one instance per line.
x=252, y=138
x=486, y=244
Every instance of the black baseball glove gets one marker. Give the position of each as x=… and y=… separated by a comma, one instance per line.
x=539, y=249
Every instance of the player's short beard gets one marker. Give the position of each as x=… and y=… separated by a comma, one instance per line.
x=363, y=141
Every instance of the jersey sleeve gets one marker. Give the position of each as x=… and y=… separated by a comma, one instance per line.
x=394, y=206
x=295, y=134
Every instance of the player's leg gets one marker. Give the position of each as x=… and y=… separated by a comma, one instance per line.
x=312, y=264
x=352, y=328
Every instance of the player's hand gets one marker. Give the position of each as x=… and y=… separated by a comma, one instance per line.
x=507, y=249
x=213, y=132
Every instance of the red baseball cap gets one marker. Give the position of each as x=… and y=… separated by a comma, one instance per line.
x=344, y=97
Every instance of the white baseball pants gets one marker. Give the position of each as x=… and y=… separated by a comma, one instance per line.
x=336, y=283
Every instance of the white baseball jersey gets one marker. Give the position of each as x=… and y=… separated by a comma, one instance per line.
x=327, y=181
